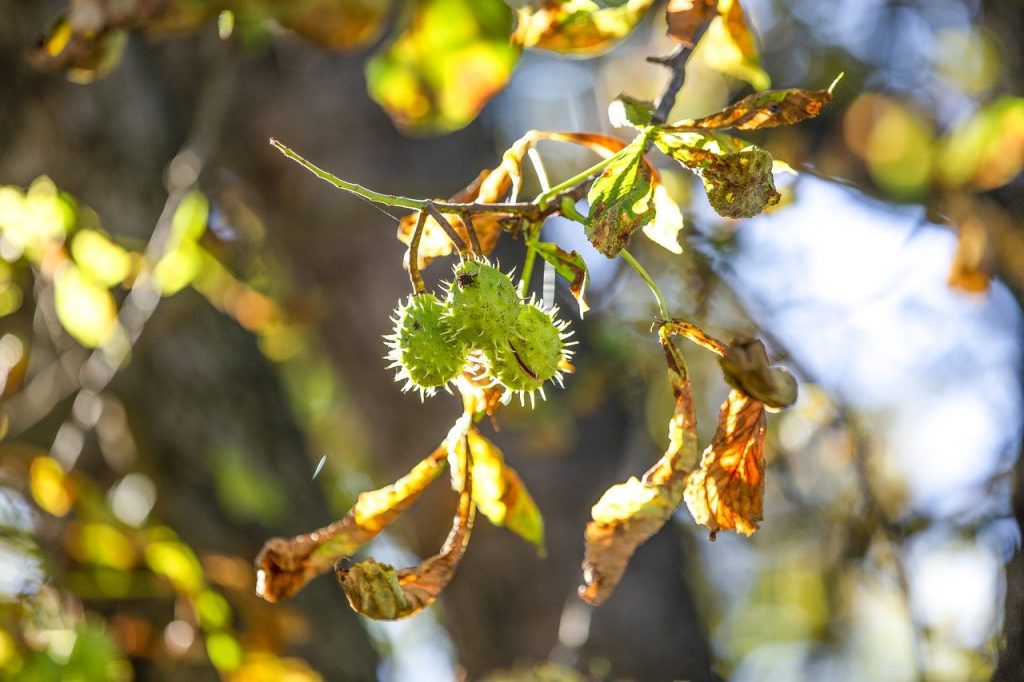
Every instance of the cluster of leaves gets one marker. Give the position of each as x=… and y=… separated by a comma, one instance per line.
x=723, y=490
x=444, y=60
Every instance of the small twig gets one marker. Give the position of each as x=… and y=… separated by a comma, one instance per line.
x=456, y=238
x=474, y=238
x=414, y=254
x=677, y=63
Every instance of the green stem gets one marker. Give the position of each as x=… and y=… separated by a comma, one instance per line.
x=369, y=194
x=542, y=199
x=662, y=308
x=524, y=283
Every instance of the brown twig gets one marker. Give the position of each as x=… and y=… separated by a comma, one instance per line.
x=414, y=254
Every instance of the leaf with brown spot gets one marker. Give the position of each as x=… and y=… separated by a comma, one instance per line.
x=629, y=513
x=621, y=200
x=577, y=27
x=686, y=18
x=285, y=565
x=380, y=592
x=571, y=266
x=727, y=491
x=767, y=109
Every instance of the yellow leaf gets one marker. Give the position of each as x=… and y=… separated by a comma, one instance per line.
x=50, y=488
x=577, y=27
x=729, y=46
x=85, y=309
x=176, y=562
x=500, y=494
x=99, y=258
x=668, y=221
x=727, y=492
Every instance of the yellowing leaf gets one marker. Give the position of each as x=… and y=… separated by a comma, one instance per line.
x=99, y=258
x=577, y=27
x=987, y=150
x=729, y=46
x=85, y=309
x=450, y=59
x=764, y=110
x=50, y=488
x=378, y=591
x=335, y=24
x=621, y=200
x=176, y=562
x=284, y=566
x=628, y=514
x=727, y=492
x=687, y=18
x=571, y=266
x=500, y=494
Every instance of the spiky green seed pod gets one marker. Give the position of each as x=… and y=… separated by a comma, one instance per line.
x=482, y=304
x=531, y=353
x=422, y=347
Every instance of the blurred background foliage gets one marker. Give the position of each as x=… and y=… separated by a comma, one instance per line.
x=189, y=325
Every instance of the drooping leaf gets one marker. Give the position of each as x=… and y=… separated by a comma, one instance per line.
x=628, y=514
x=571, y=266
x=500, y=494
x=727, y=491
x=746, y=367
x=741, y=185
x=729, y=46
x=621, y=200
x=767, y=109
x=378, y=591
x=451, y=57
x=687, y=18
x=284, y=566
x=577, y=27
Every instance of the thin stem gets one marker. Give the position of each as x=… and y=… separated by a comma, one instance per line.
x=414, y=254
x=456, y=238
x=474, y=238
x=662, y=308
x=524, y=283
x=386, y=199
x=542, y=199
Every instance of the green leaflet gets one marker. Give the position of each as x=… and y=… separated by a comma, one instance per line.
x=621, y=199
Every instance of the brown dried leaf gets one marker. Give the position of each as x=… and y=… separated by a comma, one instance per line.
x=767, y=109
x=746, y=367
x=686, y=18
x=378, y=591
x=740, y=185
x=628, y=514
x=284, y=565
x=727, y=492
x=578, y=27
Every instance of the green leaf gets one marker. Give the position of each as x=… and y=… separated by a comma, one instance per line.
x=568, y=265
x=626, y=111
x=451, y=57
x=621, y=200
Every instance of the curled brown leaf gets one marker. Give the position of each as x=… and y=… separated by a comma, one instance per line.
x=285, y=565
x=747, y=368
x=727, y=491
x=687, y=19
x=629, y=513
x=381, y=592
x=768, y=109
